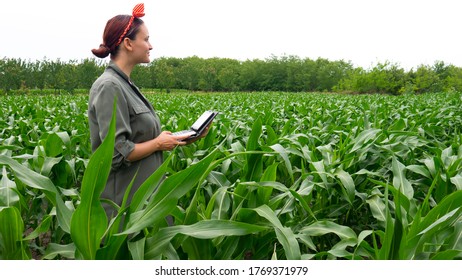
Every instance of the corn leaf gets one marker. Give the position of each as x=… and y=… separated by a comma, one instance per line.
x=284, y=235
x=324, y=227
x=283, y=153
x=89, y=221
x=11, y=229
x=137, y=248
x=400, y=181
x=44, y=184
x=364, y=138
x=167, y=195
x=205, y=229
x=147, y=188
x=347, y=183
x=254, y=164
x=264, y=193
x=41, y=228
x=8, y=196
x=53, y=250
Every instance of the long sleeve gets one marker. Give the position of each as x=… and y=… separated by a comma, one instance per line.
x=102, y=105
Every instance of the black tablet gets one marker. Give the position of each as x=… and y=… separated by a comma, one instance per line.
x=199, y=125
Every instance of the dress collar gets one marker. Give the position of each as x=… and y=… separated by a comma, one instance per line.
x=121, y=73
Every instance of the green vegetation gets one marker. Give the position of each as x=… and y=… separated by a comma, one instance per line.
x=287, y=73
x=279, y=176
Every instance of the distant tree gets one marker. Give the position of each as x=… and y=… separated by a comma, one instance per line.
x=296, y=74
x=142, y=76
x=11, y=73
x=382, y=78
x=251, y=75
x=88, y=70
x=55, y=76
x=164, y=74
x=425, y=80
x=274, y=74
x=228, y=76
x=388, y=77
x=189, y=72
x=285, y=73
x=70, y=78
x=330, y=73
x=441, y=69
x=453, y=81
x=209, y=74
x=38, y=75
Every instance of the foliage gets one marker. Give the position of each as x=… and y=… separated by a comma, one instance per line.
x=285, y=73
x=18, y=74
x=279, y=176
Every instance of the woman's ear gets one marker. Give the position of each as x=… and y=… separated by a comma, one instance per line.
x=127, y=44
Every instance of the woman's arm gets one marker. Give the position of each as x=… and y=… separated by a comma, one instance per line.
x=164, y=142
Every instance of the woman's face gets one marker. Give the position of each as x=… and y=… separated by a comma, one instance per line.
x=141, y=45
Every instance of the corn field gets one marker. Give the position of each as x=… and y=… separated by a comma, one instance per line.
x=279, y=176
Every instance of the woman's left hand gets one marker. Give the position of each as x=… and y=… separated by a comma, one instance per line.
x=203, y=134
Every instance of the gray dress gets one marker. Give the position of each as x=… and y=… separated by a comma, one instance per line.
x=136, y=122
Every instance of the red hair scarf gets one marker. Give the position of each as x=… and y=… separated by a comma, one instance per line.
x=138, y=11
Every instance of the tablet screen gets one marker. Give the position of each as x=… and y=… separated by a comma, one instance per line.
x=202, y=120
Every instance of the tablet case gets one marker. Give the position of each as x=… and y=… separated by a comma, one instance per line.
x=199, y=125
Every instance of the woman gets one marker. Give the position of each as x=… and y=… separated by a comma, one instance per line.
x=139, y=141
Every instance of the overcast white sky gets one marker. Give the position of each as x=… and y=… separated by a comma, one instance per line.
x=365, y=32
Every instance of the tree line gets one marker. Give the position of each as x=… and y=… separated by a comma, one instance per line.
x=285, y=73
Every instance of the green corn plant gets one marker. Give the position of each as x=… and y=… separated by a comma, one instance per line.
x=427, y=233
x=37, y=182
x=338, y=176
x=89, y=220
x=153, y=201
x=12, y=246
x=43, y=184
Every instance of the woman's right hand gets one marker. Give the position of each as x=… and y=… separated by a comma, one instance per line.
x=166, y=141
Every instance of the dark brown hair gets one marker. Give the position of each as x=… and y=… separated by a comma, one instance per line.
x=114, y=29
